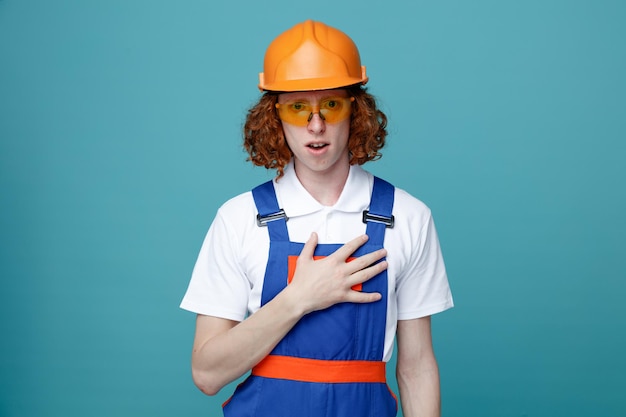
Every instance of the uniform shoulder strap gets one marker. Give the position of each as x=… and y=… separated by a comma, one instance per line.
x=379, y=215
x=270, y=215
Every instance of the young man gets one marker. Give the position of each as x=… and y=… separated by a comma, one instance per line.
x=277, y=289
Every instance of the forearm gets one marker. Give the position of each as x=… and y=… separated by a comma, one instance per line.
x=228, y=355
x=225, y=350
x=419, y=390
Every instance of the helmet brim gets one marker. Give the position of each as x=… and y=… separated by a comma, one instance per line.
x=311, y=84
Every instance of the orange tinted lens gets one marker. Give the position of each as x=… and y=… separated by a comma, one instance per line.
x=335, y=109
x=331, y=109
x=295, y=112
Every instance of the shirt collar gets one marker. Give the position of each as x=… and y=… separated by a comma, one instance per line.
x=296, y=200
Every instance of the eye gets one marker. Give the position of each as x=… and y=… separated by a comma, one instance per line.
x=299, y=106
x=332, y=104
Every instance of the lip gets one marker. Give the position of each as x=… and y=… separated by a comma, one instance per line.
x=317, y=145
x=317, y=148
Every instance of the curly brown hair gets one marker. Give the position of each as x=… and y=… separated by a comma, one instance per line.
x=265, y=142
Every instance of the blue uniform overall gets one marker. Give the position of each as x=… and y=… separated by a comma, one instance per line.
x=331, y=363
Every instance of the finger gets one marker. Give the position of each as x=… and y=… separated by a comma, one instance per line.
x=363, y=297
x=366, y=260
x=349, y=248
x=366, y=274
x=309, y=247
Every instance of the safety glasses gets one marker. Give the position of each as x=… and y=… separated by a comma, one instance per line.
x=300, y=112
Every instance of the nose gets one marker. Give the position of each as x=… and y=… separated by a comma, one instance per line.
x=316, y=124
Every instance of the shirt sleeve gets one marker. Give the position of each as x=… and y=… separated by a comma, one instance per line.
x=422, y=289
x=218, y=285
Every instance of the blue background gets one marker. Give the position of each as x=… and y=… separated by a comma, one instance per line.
x=120, y=136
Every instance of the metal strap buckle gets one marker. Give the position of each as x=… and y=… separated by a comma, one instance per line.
x=376, y=218
x=264, y=220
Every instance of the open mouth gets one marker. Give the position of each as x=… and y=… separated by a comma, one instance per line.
x=317, y=145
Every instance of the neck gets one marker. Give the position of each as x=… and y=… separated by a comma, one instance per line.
x=325, y=187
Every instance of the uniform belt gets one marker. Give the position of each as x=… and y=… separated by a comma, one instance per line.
x=317, y=370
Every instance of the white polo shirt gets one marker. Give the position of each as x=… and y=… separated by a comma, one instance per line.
x=227, y=279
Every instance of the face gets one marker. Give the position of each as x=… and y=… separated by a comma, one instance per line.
x=316, y=128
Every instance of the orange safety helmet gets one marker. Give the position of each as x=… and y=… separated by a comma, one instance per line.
x=311, y=56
